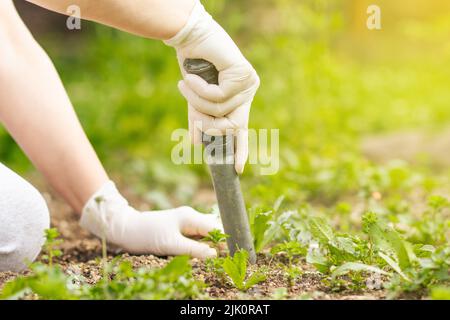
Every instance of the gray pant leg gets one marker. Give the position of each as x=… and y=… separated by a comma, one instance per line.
x=23, y=218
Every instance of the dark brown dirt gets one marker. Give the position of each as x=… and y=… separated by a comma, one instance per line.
x=81, y=252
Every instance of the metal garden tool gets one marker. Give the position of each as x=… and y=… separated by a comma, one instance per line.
x=220, y=158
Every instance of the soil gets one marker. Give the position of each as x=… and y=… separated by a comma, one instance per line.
x=81, y=252
x=430, y=149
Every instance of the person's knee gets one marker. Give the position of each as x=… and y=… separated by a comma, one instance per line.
x=25, y=216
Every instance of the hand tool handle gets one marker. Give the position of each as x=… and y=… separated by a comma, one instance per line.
x=225, y=179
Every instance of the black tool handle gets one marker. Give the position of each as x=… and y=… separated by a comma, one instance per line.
x=225, y=179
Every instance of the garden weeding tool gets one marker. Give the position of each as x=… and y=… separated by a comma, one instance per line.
x=225, y=179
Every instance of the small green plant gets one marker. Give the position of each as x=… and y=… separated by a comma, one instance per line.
x=428, y=271
x=328, y=249
x=293, y=250
x=260, y=226
x=433, y=226
x=293, y=273
x=216, y=236
x=119, y=281
x=51, y=241
x=174, y=281
x=346, y=257
x=215, y=265
x=264, y=224
x=236, y=268
x=46, y=282
x=388, y=243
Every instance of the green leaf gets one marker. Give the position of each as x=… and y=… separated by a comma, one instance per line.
x=259, y=227
x=14, y=289
x=47, y=282
x=386, y=239
x=320, y=229
x=394, y=265
x=51, y=234
x=176, y=268
x=216, y=236
x=254, y=279
x=342, y=249
x=356, y=267
x=233, y=272
x=268, y=236
x=236, y=268
x=278, y=203
x=318, y=260
x=274, y=228
x=291, y=248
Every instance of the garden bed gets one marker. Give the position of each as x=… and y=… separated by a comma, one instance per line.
x=81, y=257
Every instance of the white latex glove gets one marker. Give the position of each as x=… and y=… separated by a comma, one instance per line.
x=215, y=109
x=154, y=232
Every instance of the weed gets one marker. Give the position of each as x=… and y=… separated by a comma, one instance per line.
x=51, y=242
x=236, y=269
x=174, y=281
x=216, y=236
x=119, y=281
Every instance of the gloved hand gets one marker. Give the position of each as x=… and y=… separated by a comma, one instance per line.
x=154, y=232
x=223, y=107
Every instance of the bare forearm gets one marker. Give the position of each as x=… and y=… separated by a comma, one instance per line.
x=36, y=110
x=159, y=19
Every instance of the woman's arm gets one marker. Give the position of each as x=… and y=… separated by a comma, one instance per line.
x=186, y=26
x=158, y=19
x=37, y=112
